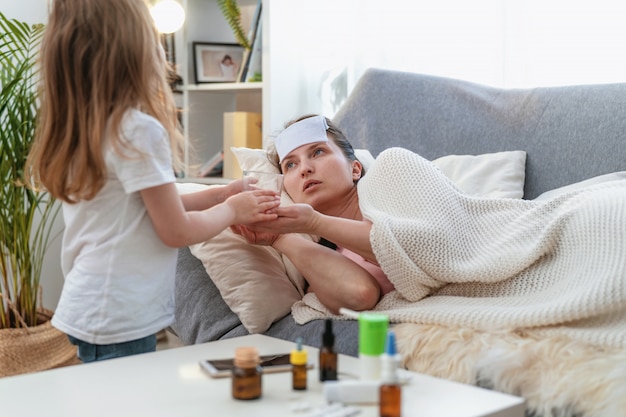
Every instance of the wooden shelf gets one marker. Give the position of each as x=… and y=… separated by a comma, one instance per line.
x=224, y=87
x=205, y=180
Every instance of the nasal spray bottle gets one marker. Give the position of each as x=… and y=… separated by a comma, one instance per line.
x=390, y=391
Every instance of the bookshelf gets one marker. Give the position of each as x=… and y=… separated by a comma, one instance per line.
x=233, y=88
x=297, y=55
x=204, y=104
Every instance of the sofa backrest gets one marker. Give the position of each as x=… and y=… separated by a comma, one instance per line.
x=569, y=133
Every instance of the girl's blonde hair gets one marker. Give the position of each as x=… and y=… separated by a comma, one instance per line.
x=99, y=58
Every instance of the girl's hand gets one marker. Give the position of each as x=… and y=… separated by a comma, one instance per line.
x=255, y=238
x=232, y=188
x=253, y=206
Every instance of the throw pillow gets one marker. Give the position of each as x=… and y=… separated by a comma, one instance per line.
x=500, y=174
x=613, y=176
x=256, y=282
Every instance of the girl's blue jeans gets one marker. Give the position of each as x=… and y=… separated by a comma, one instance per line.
x=88, y=352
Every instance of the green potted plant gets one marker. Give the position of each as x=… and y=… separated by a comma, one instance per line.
x=26, y=216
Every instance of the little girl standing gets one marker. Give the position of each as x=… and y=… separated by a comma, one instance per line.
x=107, y=147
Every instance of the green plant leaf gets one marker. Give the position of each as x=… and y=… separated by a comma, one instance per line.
x=232, y=14
x=25, y=215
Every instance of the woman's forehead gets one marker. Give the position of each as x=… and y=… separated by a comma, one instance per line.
x=305, y=131
x=307, y=147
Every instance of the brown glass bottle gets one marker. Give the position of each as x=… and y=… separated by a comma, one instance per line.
x=390, y=400
x=390, y=391
x=327, y=355
x=299, y=377
x=298, y=359
x=247, y=374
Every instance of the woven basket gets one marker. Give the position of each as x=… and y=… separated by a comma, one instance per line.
x=35, y=348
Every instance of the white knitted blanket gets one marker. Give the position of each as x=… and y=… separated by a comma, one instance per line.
x=556, y=266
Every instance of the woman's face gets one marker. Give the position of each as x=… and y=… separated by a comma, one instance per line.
x=319, y=174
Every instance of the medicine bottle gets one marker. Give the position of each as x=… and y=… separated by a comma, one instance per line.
x=298, y=359
x=390, y=391
x=372, y=334
x=247, y=374
x=328, y=356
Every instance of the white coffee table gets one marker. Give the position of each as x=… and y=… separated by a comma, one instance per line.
x=171, y=383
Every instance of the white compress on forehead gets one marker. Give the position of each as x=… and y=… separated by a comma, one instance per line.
x=309, y=130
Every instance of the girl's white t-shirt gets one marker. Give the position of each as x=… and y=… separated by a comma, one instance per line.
x=119, y=276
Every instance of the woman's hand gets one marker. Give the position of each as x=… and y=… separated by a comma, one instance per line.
x=255, y=238
x=301, y=218
x=295, y=218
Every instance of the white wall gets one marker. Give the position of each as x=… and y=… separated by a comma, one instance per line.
x=561, y=42
x=29, y=11
x=505, y=43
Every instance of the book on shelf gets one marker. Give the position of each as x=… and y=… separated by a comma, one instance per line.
x=254, y=71
x=213, y=167
x=241, y=129
x=245, y=62
x=256, y=19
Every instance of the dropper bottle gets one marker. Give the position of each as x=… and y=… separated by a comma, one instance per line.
x=298, y=359
x=390, y=392
x=328, y=356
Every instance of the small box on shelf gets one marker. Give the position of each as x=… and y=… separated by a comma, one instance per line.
x=241, y=129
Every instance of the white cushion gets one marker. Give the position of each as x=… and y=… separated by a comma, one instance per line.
x=500, y=174
x=613, y=176
x=256, y=282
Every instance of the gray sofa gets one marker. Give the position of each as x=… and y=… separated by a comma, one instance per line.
x=569, y=133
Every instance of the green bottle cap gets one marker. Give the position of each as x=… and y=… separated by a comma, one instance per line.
x=372, y=333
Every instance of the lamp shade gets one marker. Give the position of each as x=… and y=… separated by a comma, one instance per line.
x=168, y=15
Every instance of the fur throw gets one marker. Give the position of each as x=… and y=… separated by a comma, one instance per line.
x=558, y=377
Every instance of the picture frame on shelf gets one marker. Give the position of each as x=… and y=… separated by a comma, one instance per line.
x=216, y=62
